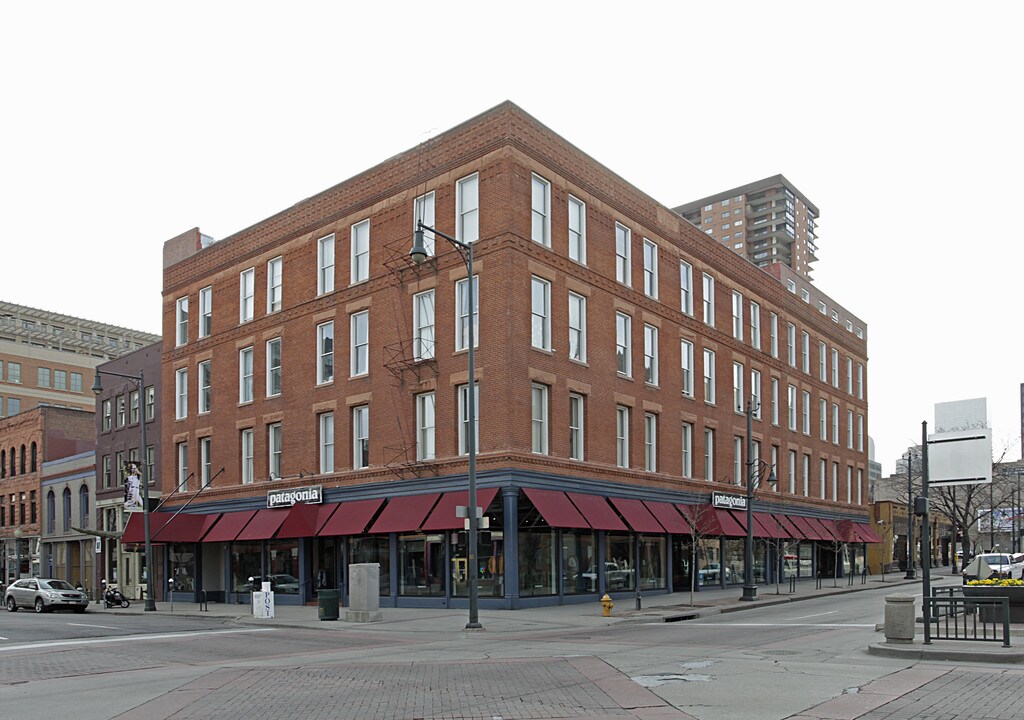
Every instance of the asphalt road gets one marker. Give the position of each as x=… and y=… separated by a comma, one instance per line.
x=771, y=662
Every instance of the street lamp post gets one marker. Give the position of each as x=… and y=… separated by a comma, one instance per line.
x=753, y=474
x=140, y=380
x=18, y=534
x=911, y=574
x=418, y=254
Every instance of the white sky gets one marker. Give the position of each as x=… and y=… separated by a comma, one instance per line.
x=124, y=124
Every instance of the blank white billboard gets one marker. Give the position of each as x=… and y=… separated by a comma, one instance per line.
x=963, y=457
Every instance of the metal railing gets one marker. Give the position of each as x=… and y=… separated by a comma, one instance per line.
x=960, y=618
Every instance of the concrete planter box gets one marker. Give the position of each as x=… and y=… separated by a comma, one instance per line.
x=1016, y=595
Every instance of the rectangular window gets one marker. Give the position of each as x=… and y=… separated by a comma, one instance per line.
x=133, y=407
x=464, y=418
x=423, y=325
x=206, y=311
x=805, y=352
x=709, y=300
x=539, y=431
x=823, y=419
x=247, y=295
x=849, y=375
x=275, y=297
x=577, y=230
x=835, y=482
x=425, y=426
x=686, y=287
x=738, y=398
x=755, y=392
x=43, y=377
x=849, y=429
x=835, y=368
x=462, y=314
x=325, y=264
x=805, y=409
x=686, y=359
x=650, y=269
x=205, y=460
x=248, y=463
x=791, y=408
x=423, y=211
x=577, y=327
x=181, y=393
x=60, y=379
x=360, y=252
x=14, y=372
x=540, y=303
x=181, y=321
x=860, y=433
x=273, y=367
x=650, y=442
x=540, y=206
x=835, y=424
x=687, y=450
x=709, y=376
x=737, y=316
x=107, y=475
x=822, y=362
x=624, y=344
x=467, y=209
x=860, y=486
x=183, y=473
x=326, y=442
x=773, y=331
x=107, y=414
x=325, y=352
x=806, y=475
x=575, y=426
x=623, y=241
x=709, y=454
x=76, y=380
x=791, y=344
x=204, y=387
x=823, y=471
x=775, y=401
x=755, y=325
x=860, y=381
x=650, y=354
x=275, y=442
x=792, y=472
x=360, y=344
x=622, y=436
x=150, y=403
x=245, y=373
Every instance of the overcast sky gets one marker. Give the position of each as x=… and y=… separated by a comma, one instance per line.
x=125, y=124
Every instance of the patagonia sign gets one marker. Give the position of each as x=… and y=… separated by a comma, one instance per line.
x=733, y=502
x=312, y=495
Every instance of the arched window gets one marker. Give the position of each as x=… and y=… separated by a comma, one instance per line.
x=3, y=463
x=51, y=512
x=67, y=509
x=34, y=456
x=12, y=462
x=21, y=465
x=83, y=505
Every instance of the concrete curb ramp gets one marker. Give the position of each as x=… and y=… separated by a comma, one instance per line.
x=996, y=653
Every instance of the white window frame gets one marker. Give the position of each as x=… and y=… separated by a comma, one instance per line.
x=805, y=413
x=686, y=287
x=426, y=428
x=709, y=376
x=806, y=474
x=755, y=325
x=274, y=371
x=576, y=430
x=686, y=455
x=247, y=295
x=623, y=344
x=181, y=393
x=860, y=381
x=791, y=406
x=849, y=429
x=737, y=315
x=708, y=299
x=360, y=242
x=181, y=321
x=835, y=424
x=246, y=371
x=360, y=437
x=463, y=402
x=423, y=211
x=359, y=344
x=755, y=392
x=737, y=461
x=823, y=419
x=540, y=210
x=805, y=352
x=823, y=471
x=650, y=442
x=275, y=284
x=462, y=314
x=183, y=473
x=835, y=368
x=623, y=254
x=539, y=419
x=205, y=460
x=686, y=362
x=709, y=454
x=205, y=311
x=651, y=373
x=467, y=209
x=577, y=327
x=791, y=344
x=247, y=443
x=792, y=472
x=275, y=446
x=577, y=230
x=775, y=400
x=849, y=375
x=205, y=391
x=738, y=398
x=325, y=252
x=621, y=436
x=650, y=269
x=325, y=426
x=773, y=331
x=860, y=433
x=822, y=362
x=423, y=320
x=540, y=313
x=324, y=358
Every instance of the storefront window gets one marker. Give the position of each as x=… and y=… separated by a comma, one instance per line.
x=373, y=550
x=806, y=551
x=652, y=562
x=537, y=563
x=183, y=567
x=421, y=565
x=283, y=564
x=245, y=564
x=619, y=562
x=490, y=564
x=579, y=562
x=760, y=560
x=709, y=561
x=324, y=575
x=682, y=562
x=734, y=554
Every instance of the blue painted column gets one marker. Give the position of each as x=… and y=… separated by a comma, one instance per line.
x=510, y=523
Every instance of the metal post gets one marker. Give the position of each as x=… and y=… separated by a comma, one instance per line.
x=150, y=604
x=953, y=560
x=991, y=519
x=911, y=575
x=749, y=588
x=926, y=550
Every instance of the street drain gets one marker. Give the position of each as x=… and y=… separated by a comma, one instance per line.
x=781, y=652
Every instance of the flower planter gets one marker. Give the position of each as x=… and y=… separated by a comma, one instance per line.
x=1016, y=595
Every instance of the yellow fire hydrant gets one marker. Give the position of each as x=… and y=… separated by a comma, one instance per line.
x=606, y=605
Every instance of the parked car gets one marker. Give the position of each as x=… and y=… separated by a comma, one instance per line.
x=44, y=594
x=995, y=565
x=280, y=583
x=614, y=578
x=712, y=572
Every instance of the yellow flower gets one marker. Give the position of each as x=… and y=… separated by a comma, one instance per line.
x=996, y=582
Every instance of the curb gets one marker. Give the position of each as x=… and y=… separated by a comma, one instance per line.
x=920, y=652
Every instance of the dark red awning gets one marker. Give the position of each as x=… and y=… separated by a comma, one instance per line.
x=405, y=513
x=556, y=509
x=264, y=525
x=186, y=528
x=350, y=518
x=832, y=531
x=806, y=530
x=135, y=530
x=304, y=519
x=712, y=521
x=790, y=526
x=821, y=531
x=442, y=517
x=598, y=512
x=637, y=516
x=772, y=528
x=229, y=525
x=669, y=517
x=867, y=533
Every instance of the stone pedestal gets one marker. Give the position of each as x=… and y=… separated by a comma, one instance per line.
x=364, y=593
x=899, y=619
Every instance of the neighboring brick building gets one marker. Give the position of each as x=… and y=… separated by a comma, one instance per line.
x=68, y=494
x=617, y=349
x=27, y=441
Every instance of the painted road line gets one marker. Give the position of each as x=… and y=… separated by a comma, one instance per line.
x=128, y=638
x=804, y=617
x=102, y=627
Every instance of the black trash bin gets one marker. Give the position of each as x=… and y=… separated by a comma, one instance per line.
x=327, y=604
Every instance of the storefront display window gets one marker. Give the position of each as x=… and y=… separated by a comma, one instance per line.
x=421, y=565
x=806, y=559
x=734, y=554
x=579, y=562
x=246, y=562
x=619, y=562
x=183, y=566
x=283, y=566
x=682, y=562
x=490, y=564
x=373, y=550
x=652, y=562
x=537, y=563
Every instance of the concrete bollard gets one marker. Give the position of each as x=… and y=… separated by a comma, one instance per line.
x=364, y=593
x=899, y=619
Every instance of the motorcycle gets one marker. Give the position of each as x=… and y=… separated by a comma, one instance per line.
x=112, y=597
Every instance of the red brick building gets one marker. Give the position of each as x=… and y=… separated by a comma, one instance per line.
x=617, y=349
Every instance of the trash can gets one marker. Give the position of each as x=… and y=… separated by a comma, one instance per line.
x=327, y=604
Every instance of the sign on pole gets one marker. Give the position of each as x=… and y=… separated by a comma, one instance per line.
x=961, y=457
